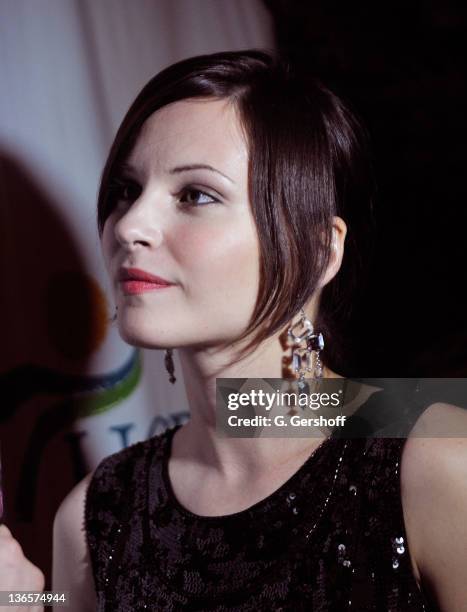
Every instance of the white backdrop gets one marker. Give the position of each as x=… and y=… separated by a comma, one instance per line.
x=73, y=391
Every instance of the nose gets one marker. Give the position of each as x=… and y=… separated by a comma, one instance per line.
x=140, y=225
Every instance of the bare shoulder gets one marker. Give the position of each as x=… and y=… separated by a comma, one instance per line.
x=434, y=500
x=71, y=562
x=72, y=505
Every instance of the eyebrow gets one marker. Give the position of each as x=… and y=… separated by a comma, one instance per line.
x=178, y=169
x=125, y=166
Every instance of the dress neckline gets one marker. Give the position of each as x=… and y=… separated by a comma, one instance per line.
x=286, y=488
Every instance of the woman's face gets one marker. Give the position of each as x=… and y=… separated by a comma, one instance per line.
x=192, y=226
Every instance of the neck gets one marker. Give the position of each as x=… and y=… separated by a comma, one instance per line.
x=232, y=456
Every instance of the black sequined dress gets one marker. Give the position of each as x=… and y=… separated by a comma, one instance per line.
x=330, y=539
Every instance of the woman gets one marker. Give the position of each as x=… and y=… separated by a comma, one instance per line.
x=232, y=186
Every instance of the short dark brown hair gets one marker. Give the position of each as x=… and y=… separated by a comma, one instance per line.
x=308, y=161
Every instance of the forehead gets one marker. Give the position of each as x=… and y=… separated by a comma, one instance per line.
x=192, y=131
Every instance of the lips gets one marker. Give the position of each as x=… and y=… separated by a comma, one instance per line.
x=126, y=274
x=134, y=280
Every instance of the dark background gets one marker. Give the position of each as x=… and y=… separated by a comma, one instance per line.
x=402, y=69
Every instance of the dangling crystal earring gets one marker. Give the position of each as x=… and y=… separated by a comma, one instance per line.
x=169, y=365
x=304, y=342
x=114, y=318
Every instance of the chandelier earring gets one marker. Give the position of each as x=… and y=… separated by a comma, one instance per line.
x=305, y=345
x=114, y=318
x=169, y=365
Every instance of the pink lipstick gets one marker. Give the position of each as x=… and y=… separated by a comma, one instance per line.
x=134, y=281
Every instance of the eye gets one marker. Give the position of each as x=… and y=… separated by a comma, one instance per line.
x=123, y=190
x=196, y=197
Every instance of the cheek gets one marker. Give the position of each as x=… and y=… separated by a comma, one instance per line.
x=106, y=244
x=221, y=260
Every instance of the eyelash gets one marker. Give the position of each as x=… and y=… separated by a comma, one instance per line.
x=119, y=186
x=192, y=190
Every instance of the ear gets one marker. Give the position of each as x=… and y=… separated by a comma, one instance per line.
x=339, y=232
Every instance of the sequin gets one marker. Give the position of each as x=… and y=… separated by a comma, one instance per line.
x=172, y=555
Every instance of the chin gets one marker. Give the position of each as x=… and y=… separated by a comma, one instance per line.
x=135, y=336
